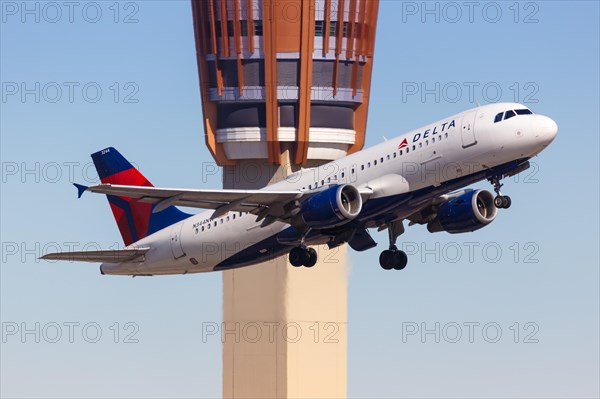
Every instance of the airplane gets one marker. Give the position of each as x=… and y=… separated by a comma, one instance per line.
x=419, y=176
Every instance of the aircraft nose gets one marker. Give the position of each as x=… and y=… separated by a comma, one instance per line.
x=546, y=130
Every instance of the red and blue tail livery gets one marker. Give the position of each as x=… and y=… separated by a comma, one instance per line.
x=135, y=218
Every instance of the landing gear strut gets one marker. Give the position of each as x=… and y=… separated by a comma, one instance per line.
x=393, y=258
x=303, y=256
x=500, y=201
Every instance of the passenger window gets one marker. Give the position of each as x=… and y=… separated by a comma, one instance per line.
x=202, y=228
x=310, y=186
x=498, y=117
x=362, y=167
x=509, y=114
x=381, y=159
x=352, y=170
x=400, y=152
x=343, y=174
x=388, y=157
x=375, y=163
x=395, y=154
x=433, y=140
x=322, y=182
x=414, y=147
x=368, y=164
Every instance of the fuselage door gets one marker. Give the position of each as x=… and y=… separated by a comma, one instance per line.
x=468, y=129
x=176, y=246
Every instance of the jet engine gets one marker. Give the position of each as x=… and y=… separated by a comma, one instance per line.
x=332, y=207
x=467, y=212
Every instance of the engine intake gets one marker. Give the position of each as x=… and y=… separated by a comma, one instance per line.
x=467, y=212
x=332, y=207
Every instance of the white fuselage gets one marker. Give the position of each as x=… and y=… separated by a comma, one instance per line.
x=454, y=147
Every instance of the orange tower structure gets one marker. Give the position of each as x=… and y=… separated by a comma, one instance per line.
x=276, y=73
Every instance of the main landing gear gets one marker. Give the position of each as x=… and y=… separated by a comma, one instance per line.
x=303, y=256
x=393, y=258
x=500, y=201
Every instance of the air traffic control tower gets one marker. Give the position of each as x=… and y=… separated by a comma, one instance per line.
x=284, y=85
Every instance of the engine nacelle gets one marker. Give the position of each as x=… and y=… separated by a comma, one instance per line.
x=467, y=212
x=332, y=207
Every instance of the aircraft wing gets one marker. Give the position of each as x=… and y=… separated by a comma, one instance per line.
x=266, y=204
x=105, y=255
x=235, y=200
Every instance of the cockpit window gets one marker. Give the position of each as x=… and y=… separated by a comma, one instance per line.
x=510, y=113
x=523, y=111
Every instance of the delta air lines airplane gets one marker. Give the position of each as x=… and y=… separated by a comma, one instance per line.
x=419, y=176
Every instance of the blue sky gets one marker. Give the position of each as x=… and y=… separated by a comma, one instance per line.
x=536, y=265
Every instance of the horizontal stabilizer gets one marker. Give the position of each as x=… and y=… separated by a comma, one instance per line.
x=80, y=189
x=102, y=256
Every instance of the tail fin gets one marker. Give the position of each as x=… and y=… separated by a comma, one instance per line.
x=135, y=219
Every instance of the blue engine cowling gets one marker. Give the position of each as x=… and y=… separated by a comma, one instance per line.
x=332, y=207
x=467, y=212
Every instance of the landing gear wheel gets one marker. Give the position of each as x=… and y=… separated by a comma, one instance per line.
x=387, y=259
x=401, y=260
x=499, y=201
x=302, y=256
x=312, y=258
x=502, y=201
x=298, y=256
x=393, y=259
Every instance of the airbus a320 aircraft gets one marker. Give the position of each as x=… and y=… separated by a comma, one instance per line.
x=417, y=177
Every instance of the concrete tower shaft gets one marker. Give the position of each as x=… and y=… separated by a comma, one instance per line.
x=284, y=74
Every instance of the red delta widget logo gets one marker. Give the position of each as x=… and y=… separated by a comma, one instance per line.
x=427, y=133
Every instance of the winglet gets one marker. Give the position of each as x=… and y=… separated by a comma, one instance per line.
x=80, y=189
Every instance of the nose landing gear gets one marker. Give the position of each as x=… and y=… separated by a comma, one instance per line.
x=500, y=201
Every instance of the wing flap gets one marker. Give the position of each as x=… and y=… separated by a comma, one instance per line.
x=101, y=256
